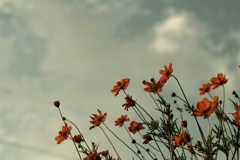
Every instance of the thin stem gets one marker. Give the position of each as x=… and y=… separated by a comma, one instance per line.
x=79, y=133
x=121, y=140
x=69, y=133
x=110, y=142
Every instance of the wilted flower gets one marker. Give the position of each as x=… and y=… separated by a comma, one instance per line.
x=183, y=139
x=129, y=102
x=147, y=138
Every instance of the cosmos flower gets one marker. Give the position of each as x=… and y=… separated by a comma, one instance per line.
x=237, y=115
x=78, y=138
x=205, y=88
x=120, y=121
x=63, y=135
x=98, y=119
x=129, y=102
x=135, y=127
x=166, y=74
x=205, y=108
x=147, y=138
x=183, y=139
x=153, y=86
x=93, y=156
x=104, y=153
x=120, y=86
x=219, y=80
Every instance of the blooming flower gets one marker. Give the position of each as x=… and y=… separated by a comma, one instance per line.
x=129, y=102
x=237, y=115
x=120, y=85
x=78, y=138
x=63, y=135
x=183, y=139
x=205, y=88
x=205, y=108
x=166, y=74
x=98, y=119
x=120, y=121
x=104, y=153
x=153, y=86
x=147, y=138
x=93, y=156
x=135, y=127
x=219, y=80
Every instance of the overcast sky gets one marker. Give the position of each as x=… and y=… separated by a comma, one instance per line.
x=76, y=50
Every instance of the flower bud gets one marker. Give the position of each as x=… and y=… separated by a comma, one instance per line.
x=184, y=123
x=170, y=116
x=175, y=101
x=56, y=103
x=233, y=92
x=139, y=152
x=173, y=94
x=133, y=141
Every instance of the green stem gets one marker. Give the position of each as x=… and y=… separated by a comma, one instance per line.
x=110, y=142
x=121, y=140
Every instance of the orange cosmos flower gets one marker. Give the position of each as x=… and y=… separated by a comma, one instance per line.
x=135, y=127
x=166, y=74
x=78, y=138
x=94, y=156
x=63, y=135
x=183, y=139
x=237, y=115
x=153, y=86
x=104, y=153
x=98, y=119
x=205, y=108
x=219, y=80
x=120, y=121
x=129, y=102
x=205, y=88
x=120, y=85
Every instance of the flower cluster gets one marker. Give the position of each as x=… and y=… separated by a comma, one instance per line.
x=166, y=130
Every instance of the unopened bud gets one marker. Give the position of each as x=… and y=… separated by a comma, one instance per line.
x=56, y=103
x=233, y=92
x=170, y=116
x=133, y=141
x=184, y=123
x=139, y=152
x=173, y=94
x=175, y=101
x=64, y=118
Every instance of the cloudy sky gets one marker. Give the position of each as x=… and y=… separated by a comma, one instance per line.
x=76, y=50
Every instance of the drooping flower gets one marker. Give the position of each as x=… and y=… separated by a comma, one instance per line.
x=63, y=134
x=78, y=138
x=166, y=74
x=135, y=127
x=120, y=86
x=93, y=156
x=153, y=86
x=129, y=102
x=120, y=121
x=98, y=119
x=219, y=80
x=183, y=139
x=104, y=153
x=205, y=88
x=147, y=138
x=205, y=108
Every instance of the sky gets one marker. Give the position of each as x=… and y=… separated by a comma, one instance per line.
x=75, y=51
